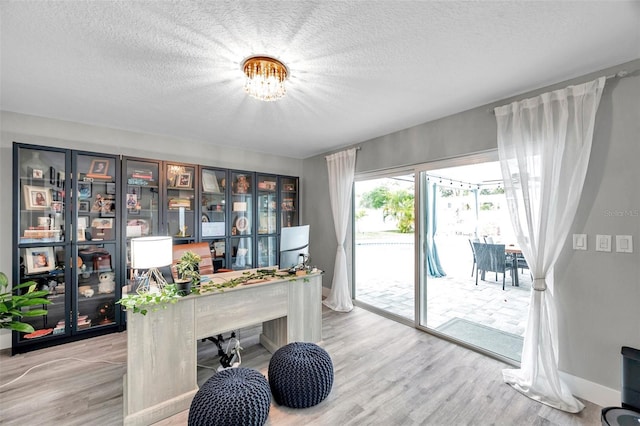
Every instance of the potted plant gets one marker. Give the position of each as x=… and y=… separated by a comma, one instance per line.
x=188, y=271
x=12, y=302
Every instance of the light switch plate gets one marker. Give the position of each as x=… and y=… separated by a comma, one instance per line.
x=603, y=242
x=624, y=243
x=579, y=241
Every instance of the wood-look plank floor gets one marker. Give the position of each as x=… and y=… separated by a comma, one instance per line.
x=386, y=373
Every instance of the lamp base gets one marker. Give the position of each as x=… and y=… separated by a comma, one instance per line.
x=152, y=281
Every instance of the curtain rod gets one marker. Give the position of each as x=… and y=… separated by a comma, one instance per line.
x=357, y=148
x=619, y=74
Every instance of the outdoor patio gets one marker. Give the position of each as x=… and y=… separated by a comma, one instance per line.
x=384, y=279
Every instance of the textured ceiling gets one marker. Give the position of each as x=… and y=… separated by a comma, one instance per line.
x=359, y=69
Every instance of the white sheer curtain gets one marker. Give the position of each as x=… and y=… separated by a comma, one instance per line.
x=341, y=167
x=544, y=145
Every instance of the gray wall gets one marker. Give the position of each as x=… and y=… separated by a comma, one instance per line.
x=597, y=294
x=47, y=132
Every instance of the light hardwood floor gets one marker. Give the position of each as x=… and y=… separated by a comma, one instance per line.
x=386, y=373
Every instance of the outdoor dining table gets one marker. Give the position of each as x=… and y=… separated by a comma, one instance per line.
x=515, y=252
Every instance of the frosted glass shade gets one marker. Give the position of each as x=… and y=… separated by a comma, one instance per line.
x=151, y=252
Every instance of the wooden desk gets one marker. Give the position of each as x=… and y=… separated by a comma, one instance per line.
x=161, y=377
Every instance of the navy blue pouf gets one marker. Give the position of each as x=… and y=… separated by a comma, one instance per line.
x=237, y=396
x=300, y=375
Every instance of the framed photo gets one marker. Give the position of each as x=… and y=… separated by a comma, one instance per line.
x=84, y=206
x=99, y=169
x=132, y=201
x=36, y=197
x=183, y=180
x=80, y=233
x=83, y=222
x=210, y=182
x=111, y=188
x=84, y=189
x=37, y=174
x=102, y=223
x=108, y=208
x=57, y=206
x=39, y=259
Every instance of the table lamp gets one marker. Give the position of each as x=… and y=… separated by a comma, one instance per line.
x=151, y=253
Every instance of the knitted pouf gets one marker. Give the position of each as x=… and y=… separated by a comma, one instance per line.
x=300, y=375
x=233, y=397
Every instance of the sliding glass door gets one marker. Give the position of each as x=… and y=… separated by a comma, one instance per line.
x=462, y=206
x=384, y=244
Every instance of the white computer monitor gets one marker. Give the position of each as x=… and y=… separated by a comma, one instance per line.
x=294, y=241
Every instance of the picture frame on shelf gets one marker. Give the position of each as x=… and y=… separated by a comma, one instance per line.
x=108, y=208
x=110, y=188
x=80, y=233
x=57, y=206
x=84, y=206
x=84, y=190
x=83, y=222
x=102, y=223
x=36, y=197
x=99, y=169
x=39, y=260
x=36, y=173
x=210, y=182
x=183, y=180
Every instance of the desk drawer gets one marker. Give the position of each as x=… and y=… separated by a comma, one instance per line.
x=221, y=312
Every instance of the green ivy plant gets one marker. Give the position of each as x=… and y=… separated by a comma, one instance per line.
x=11, y=304
x=144, y=302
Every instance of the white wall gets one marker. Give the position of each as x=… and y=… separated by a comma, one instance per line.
x=597, y=294
x=41, y=131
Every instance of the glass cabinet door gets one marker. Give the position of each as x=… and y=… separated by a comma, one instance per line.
x=289, y=201
x=97, y=215
x=241, y=253
x=180, y=184
x=42, y=240
x=241, y=220
x=267, y=251
x=267, y=204
x=213, y=203
x=141, y=201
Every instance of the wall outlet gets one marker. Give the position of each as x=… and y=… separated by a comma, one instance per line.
x=603, y=242
x=624, y=243
x=579, y=241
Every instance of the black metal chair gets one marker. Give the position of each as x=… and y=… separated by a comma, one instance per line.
x=492, y=258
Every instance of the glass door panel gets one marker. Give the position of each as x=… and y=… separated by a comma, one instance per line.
x=213, y=203
x=384, y=249
x=289, y=201
x=267, y=251
x=241, y=253
x=180, y=184
x=463, y=205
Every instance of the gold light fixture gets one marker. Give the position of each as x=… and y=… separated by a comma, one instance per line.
x=265, y=78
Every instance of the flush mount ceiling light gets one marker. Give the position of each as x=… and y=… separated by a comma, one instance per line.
x=265, y=78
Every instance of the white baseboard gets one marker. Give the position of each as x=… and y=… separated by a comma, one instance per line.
x=598, y=394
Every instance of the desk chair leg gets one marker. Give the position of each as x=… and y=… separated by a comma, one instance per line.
x=476, y=274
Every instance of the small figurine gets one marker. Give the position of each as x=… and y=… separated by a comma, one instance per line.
x=107, y=283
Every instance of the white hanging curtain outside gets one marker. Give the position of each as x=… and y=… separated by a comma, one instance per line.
x=544, y=144
x=341, y=167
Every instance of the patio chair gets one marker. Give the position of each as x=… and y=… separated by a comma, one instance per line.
x=473, y=251
x=492, y=258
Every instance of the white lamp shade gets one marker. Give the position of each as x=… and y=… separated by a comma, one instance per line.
x=151, y=252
